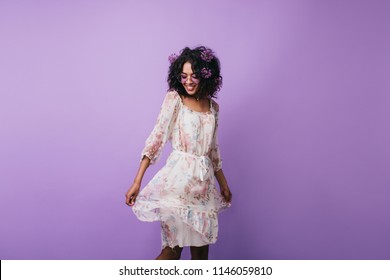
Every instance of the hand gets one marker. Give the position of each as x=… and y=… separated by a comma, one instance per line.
x=132, y=194
x=226, y=194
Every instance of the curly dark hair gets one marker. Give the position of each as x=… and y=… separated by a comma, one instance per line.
x=208, y=87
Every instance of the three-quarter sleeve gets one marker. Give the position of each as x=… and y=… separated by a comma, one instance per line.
x=215, y=154
x=163, y=127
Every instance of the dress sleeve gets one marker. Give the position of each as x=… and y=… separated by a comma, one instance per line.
x=163, y=127
x=215, y=154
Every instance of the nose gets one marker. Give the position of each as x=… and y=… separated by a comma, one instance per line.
x=189, y=78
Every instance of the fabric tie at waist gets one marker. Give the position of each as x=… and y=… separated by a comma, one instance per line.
x=202, y=162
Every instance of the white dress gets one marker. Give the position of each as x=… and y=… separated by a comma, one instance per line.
x=182, y=195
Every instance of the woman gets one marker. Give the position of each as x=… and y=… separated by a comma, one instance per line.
x=182, y=195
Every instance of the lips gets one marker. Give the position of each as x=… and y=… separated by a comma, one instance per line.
x=190, y=88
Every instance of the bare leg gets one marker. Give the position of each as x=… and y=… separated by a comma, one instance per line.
x=170, y=253
x=200, y=253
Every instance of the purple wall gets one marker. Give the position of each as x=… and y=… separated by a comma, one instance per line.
x=304, y=131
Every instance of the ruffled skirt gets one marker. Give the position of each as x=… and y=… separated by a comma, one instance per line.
x=186, y=203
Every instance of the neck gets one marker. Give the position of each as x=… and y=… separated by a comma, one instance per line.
x=197, y=97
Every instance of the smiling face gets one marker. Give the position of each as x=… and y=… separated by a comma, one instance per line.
x=188, y=79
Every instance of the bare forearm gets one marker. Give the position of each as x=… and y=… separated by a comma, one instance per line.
x=132, y=193
x=223, y=185
x=222, y=182
x=141, y=170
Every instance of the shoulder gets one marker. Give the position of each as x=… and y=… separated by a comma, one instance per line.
x=172, y=100
x=172, y=95
x=215, y=105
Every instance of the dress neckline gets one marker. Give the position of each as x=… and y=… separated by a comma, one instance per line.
x=198, y=112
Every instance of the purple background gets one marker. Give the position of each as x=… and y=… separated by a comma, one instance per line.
x=304, y=130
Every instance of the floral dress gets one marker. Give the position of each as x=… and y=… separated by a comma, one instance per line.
x=182, y=195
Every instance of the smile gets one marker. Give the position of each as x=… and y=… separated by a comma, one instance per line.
x=190, y=88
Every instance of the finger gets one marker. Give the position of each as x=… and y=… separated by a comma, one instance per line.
x=229, y=198
x=129, y=200
x=132, y=201
x=224, y=195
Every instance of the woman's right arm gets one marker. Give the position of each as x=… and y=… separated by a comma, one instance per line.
x=133, y=191
x=155, y=142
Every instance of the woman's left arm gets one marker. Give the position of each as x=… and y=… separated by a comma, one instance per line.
x=223, y=185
